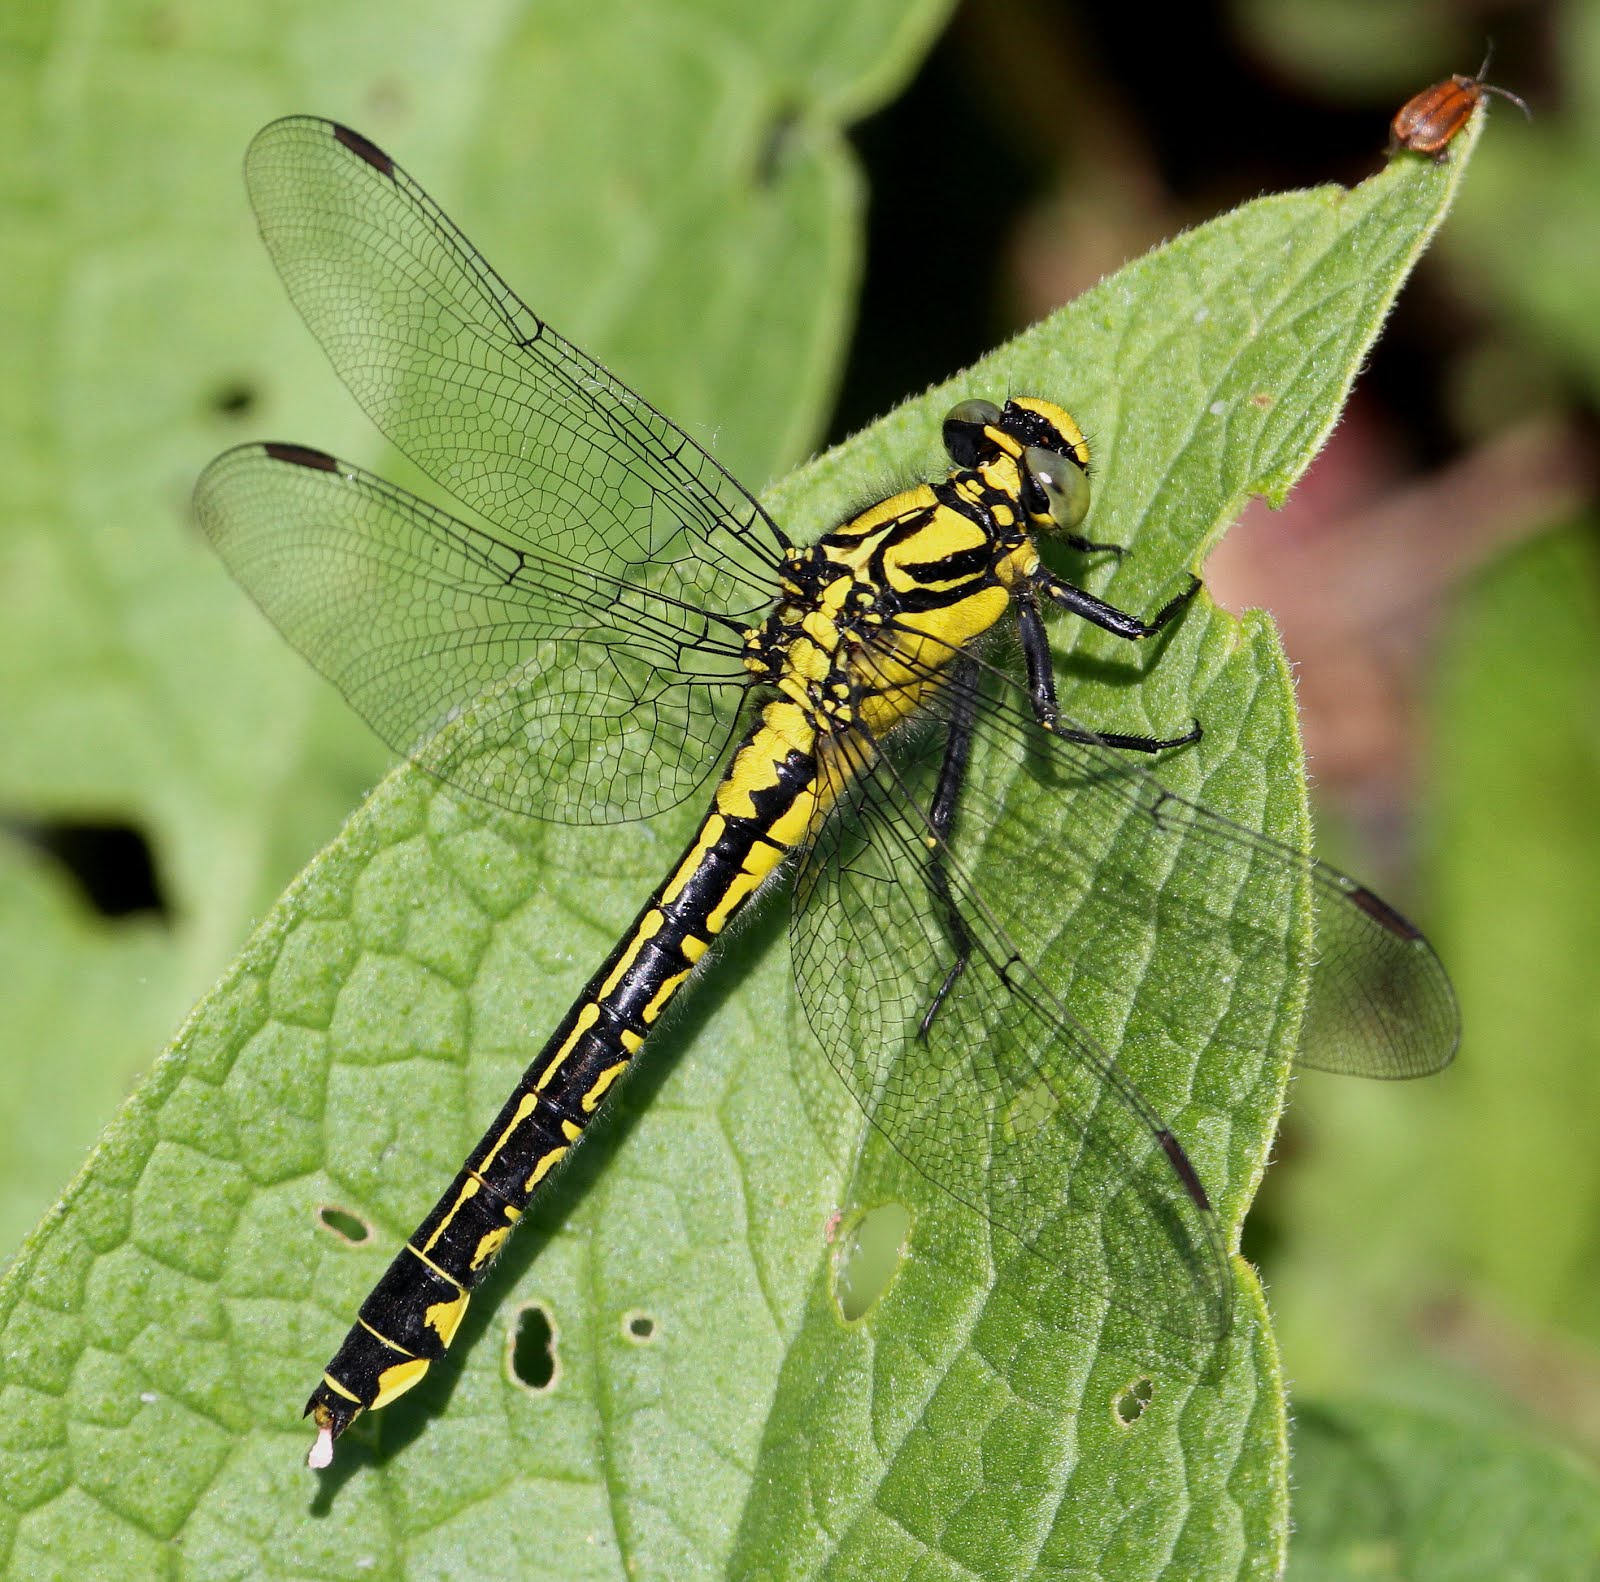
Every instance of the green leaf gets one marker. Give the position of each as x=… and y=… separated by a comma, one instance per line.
x=66, y=966
x=1425, y=1494
x=164, y=1324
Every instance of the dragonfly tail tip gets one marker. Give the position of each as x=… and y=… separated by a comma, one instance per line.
x=321, y=1453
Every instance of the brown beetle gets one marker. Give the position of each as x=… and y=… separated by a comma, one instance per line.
x=1428, y=122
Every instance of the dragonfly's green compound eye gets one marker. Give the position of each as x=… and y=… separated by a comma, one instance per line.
x=963, y=431
x=981, y=413
x=1064, y=484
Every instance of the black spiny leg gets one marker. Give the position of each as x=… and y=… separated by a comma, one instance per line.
x=1087, y=546
x=1107, y=616
x=941, y=819
x=1042, y=674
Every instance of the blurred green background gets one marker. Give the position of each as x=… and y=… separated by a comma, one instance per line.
x=1436, y=576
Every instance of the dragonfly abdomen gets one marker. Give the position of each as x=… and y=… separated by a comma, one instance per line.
x=764, y=804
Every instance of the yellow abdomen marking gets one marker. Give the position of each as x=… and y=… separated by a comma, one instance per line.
x=649, y=927
x=338, y=1389
x=469, y=1190
x=586, y=1019
x=397, y=1380
x=488, y=1246
x=591, y=1100
x=658, y=1001
x=525, y=1107
x=710, y=833
x=760, y=862
x=444, y=1318
x=546, y=1164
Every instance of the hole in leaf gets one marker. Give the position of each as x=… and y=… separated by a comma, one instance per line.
x=1130, y=1401
x=345, y=1225
x=111, y=864
x=531, y=1348
x=869, y=1256
x=639, y=1327
x=237, y=398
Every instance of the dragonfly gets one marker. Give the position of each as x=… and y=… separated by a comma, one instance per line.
x=609, y=624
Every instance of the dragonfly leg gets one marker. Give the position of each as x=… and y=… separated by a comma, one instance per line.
x=1129, y=744
x=1107, y=616
x=1087, y=546
x=941, y=818
x=1042, y=677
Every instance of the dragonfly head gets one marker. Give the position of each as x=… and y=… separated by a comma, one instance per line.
x=1029, y=448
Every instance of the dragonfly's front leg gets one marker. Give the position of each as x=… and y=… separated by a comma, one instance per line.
x=1041, y=668
x=941, y=819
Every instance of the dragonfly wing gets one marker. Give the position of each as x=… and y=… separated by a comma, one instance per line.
x=513, y=675
x=517, y=424
x=1003, y=1098
x=1380, y=1003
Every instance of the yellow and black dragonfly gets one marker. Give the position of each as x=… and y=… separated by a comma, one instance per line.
x=611, y=624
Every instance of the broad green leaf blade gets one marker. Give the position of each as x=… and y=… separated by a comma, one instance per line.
x=664, y=186
x=1204, y=373
x=69, y=966
x=1427, y=1494
x=163, y=1326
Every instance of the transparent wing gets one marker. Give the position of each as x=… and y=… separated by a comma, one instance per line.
x=1380, y=1003
x=535, y=684
x=1078, y=888
x=1000, y=1096
x=519, y=426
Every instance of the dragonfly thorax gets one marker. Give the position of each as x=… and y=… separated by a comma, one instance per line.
x=873, y=615
x=881, y=605
x=806, y=646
